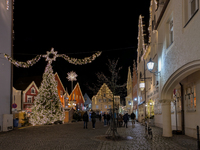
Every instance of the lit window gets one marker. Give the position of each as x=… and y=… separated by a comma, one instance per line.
x=105, y=106
x=97, y=106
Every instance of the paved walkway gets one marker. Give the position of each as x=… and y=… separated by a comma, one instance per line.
x=72, y=136
x=140, y=142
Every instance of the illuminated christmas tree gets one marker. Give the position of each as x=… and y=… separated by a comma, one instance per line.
x=47, y=107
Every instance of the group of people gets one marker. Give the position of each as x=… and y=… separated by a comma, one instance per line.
x=106, y=119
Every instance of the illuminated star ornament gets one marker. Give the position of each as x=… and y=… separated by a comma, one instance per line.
x=72, y=76
x=50, y=56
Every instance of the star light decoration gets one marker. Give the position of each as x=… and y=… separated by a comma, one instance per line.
x=48, y=56
x=72, y=76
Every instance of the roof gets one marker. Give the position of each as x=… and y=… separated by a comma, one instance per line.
x=56, y=74
x=78, y=86
x=23, y=83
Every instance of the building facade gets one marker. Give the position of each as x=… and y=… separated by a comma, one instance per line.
x=129, y=97
x=6, y=46
x=88, y=102
x=77, y=97
x=173, y=44
x=135, y=86
x=103, y=101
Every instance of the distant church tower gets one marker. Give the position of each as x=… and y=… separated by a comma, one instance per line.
x=6, y=46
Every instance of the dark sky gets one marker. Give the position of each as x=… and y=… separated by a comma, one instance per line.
x=77, y=30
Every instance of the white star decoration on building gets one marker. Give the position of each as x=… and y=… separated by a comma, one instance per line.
x=48, y=56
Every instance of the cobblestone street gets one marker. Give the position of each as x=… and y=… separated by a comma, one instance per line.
x=72, y=136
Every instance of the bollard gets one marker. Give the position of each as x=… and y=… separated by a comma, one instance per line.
x=198, y=143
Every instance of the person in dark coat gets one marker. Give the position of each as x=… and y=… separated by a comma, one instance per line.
x=85, y=119
x=108, y=119
x=133, y=118
x=105, y=118
x=100, y=117
x=126, y=119
x=93, y=117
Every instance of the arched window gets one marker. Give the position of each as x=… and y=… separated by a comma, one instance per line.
x=32, y=90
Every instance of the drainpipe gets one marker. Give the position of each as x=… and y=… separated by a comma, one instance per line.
x=182, y=111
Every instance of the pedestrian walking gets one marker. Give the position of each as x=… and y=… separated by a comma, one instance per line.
x=126, y=119
x=100, y=117
x=85, y=119
x=108, y=119
x=133, y=118
x=93, y=117
x=105, y=118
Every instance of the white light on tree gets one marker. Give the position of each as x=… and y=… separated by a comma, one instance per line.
x=150, y=65
x=142, y=85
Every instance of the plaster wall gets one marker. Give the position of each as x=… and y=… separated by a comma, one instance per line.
x=186, y=45
x=5, y=66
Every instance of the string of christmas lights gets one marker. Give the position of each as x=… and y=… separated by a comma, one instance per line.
x=51, y=56
x=26, y=64
x=76, y=61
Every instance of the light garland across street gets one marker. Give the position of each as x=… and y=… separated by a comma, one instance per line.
x=51, y=56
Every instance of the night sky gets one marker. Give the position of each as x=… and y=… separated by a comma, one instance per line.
x=77, y=30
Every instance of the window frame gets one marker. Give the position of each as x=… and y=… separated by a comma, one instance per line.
x=33, y=89
x=29, y=99
x=188, y=15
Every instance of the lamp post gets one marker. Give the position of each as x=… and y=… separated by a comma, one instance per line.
x=143, y=87
x=72, y=77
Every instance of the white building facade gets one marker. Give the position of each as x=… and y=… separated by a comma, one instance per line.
x=6, y=30
x=173, y=44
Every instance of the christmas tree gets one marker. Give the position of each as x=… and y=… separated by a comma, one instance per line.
x=47, y=107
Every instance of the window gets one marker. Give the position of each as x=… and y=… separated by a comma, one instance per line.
x=109, y=100
x=104, y=100
x=190, y=8
x=97, y=106
x=99, y=100
x=77, y=97
x=109, y=106
x=29, y=99
x=89, y=105
x=169, y=32
x=190, y=97
x=32, y=90
x=105, y=106
x=104, y=95
x=61, y=92
x=80, y=97
x=193, y=6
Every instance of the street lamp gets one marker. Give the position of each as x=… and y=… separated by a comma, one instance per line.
x=150, y=67
x=142, y=85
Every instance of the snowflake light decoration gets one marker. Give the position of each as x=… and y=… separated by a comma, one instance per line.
x=51, y=56
x=72, y=76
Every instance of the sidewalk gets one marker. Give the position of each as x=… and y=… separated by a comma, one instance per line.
x=140, y=142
